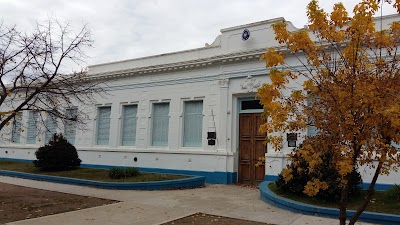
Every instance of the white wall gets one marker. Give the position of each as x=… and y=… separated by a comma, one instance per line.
x=234, y=72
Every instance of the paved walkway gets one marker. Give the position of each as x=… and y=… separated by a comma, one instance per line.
x=156, y=207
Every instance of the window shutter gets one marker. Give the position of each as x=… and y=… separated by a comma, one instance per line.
x=70, y=126
x=311, y=129
x=16, y=130
x=32, y=128
x=396, y=145
x=103, y=126
x=129, y=125
x=51, y=125
x=193, y=124
x=160, y=124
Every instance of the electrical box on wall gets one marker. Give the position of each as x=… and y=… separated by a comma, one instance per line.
x=211, y=136
x=291, y=139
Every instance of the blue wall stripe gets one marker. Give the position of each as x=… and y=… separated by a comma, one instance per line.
x=378, y=187
x=271, y=178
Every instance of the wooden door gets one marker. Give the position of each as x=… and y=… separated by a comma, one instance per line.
x=251, y=147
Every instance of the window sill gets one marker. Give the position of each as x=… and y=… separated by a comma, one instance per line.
x=158, y=150
x=22, y=146
x=191, y=149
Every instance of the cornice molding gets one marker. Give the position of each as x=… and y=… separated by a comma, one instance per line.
x=203, y=62
x=209, y=77
x=180, y=66
x=186, y=80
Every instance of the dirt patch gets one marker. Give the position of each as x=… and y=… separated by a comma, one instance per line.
x=207, y=219
x=19, y=203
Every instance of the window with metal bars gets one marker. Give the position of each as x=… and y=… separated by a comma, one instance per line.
x=129, y=119
x=193, y=124
x=160, y=124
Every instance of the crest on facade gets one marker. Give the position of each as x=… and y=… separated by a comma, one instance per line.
x=250, y=84
x=223, y=82
x=245, y=34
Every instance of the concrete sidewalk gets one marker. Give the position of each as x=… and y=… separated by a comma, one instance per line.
x=156, y=207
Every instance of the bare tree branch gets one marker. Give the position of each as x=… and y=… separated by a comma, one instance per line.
x=33, y=74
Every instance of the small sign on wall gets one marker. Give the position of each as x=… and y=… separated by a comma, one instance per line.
x=211, y=142
x=291, y=139
x=211, y=136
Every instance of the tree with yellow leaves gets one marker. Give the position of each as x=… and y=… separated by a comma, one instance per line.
x=350, y=78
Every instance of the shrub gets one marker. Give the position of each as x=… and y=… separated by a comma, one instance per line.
x=58, y=155
x=119, y=172
x=394, y=193
x=132, y=172
x=326, y=172
x=116, y=173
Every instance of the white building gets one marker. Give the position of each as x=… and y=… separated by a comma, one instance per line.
x=188, y=112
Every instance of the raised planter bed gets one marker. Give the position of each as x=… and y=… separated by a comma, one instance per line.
x=270, y=197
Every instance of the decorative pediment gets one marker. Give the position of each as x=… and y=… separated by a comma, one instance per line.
x=250, y=84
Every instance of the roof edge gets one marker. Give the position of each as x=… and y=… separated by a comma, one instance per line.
x=274, y=20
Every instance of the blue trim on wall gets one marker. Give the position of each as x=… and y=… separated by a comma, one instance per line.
x=17, y=160
x=268, y=196
x=378, y=187
x=215, y=177
x=191, y=182
x=271, y=178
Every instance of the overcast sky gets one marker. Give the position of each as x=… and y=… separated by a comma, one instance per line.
x=125, y=29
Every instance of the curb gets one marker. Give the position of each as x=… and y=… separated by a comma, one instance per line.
x=192, y=182
x=270, y=197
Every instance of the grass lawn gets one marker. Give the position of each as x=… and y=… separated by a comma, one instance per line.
x=382, y=201
x=86, y=173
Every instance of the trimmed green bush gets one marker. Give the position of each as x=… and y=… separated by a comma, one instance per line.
x=132, y=172
x=326, y=172
x=119, y=172
x=58, y=155
x=394, y=193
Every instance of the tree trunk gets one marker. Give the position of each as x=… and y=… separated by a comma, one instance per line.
x=370, y=193
x=343, y=204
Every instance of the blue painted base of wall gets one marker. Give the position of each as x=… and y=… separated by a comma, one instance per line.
x=271, y=178
x=215, y=177
x=378, y=187
x=17, y=160
x=268, y=196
